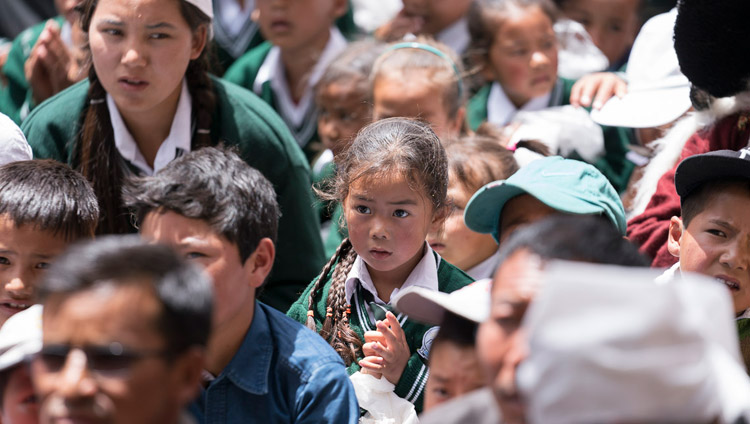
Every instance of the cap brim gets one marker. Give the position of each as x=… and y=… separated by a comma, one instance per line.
x=429, y=306
x=696, y=170
x=644, y=109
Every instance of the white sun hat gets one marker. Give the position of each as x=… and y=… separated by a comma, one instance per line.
x=658, y=93
x=13, y=145
x=607, y=344
x=20, y=337
x=429, y=306
x=205, y=6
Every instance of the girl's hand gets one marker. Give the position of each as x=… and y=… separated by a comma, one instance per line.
x=399, y=26
x=372, y=362
x=600, y=86
x=395, y=352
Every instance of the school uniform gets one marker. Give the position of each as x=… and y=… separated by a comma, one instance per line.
x=486, y=268
x=456, y=36
x=262, y=71
x=431, y=272
x=15, y=99
x=492, y=104
x=240, y=119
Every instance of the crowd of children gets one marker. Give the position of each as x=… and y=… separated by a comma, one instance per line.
x=345, y=216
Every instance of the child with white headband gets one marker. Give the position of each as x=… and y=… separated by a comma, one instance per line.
x=149, y=99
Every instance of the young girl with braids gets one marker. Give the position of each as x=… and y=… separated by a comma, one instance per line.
x=149, y=99
x=392, y=183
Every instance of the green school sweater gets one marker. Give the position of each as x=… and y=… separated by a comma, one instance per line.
x=614, y=164
x=225, y=59
x=243, y=73
x=418, y=336
x=15, y=99
x=240, y=119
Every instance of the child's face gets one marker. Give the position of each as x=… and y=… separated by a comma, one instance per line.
x=342, y=112
x=716, y=243
x=612, y=24
x=19, y=403
x=388, y=222
x=436, y=15
x=25, y=252
x=523, y=55
x=411, y=95
x=454, y=371
x=520, y=211
x=195, y=240
x=297, y=24
x=456, y=242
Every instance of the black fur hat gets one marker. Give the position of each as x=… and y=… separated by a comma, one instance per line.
x=711, y=39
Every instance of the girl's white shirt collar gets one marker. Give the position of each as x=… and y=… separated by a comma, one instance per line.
x=500, y=110
x=179, y=137
x=456, y=36
x=486, y=268
x=423, y=275
x=272, y=70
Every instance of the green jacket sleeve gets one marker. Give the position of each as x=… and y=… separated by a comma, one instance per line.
x=411, y=384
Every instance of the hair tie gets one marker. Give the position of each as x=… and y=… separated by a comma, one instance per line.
x=310, y=313
x=329, y=312
x=97, y=101
x=435, y=51
x=203, y=131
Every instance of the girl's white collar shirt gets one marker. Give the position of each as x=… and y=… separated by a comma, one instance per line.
x=456, y=36
x=500, y=110
x=179, y=138
x=486, y=268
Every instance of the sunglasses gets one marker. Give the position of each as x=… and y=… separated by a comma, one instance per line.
x=107, y=360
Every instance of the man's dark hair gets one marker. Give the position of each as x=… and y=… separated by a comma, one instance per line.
x=50, y=196
x=581, y=238
x=695, y=201
x=183, y=291
x=216, y=186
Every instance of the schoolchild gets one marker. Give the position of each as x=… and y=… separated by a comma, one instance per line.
x=712, y=235
x=344, y=106
x=473, y=161
x=43, y=60
x=515, y=48
x=302, y=41
x=392, y=182
x=421, y=79
x=612, y=25
x=237, y=31
x=445, y=21
x=545, y=187
x=44, y=207
x=262, y=367
x=20, y=339
x=149, y=100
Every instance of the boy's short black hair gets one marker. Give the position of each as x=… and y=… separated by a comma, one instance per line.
x=50, y=196
x=580, y=238
x=696, y=201
x=216, y=186
x=456, y=329
x=184, y=292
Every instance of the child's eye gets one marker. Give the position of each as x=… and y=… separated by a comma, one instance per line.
x=42, y=265
x=194, y=255
x=717, y=233
x=4, y=260
x=440, y=392
x=362, y=209
x=158, y=36
x=112, y=31
x=615, y=28
x=400, y=213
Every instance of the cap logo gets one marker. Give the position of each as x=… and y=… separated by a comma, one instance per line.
x=744, y=152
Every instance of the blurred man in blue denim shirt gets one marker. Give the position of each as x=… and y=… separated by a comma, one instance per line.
x=262, y=366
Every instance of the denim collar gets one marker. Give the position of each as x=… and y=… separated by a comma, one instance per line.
x=250, y=367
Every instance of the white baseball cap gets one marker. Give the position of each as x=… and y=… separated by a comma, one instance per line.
x=20, y=337
x=607, y=344
x=13, y=145
x=658, y=92
x=429, y=306
x=205, y=6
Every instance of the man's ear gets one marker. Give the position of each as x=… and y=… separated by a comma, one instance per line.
x=187, y=373
x=675, y=236
x=260, y=262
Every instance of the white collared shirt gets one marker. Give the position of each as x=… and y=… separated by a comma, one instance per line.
x=423, y=275
x=500, y=110
x=272, y=70
x=233, y=17
x=179, y=137
x=456, y=36
x=486, y=268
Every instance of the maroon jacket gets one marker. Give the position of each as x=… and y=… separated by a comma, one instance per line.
x=650, y=230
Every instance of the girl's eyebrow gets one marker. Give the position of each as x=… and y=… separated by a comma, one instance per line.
x=160, y=25
x=403, y=202
x=112, y=22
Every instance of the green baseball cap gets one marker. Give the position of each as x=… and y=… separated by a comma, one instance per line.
x=567, y=185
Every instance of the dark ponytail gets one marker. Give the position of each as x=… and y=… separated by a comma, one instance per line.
x=336, y=329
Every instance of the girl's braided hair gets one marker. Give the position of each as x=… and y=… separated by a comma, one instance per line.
x=394, y=146
x=95, y=154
